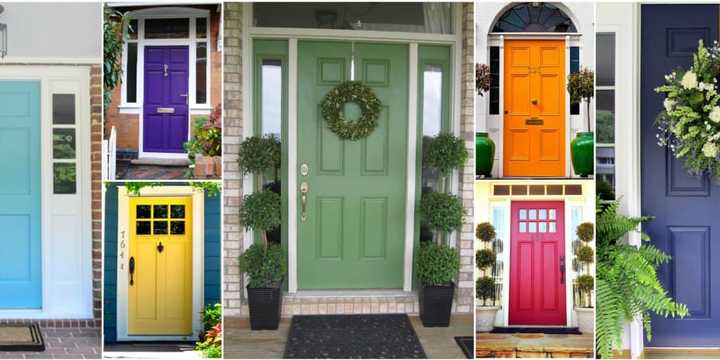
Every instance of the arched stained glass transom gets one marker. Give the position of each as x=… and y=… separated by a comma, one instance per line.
x=534, y=17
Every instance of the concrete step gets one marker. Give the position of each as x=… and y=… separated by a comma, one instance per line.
x=161, y=162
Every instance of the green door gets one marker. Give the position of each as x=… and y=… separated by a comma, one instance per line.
x=353, y=233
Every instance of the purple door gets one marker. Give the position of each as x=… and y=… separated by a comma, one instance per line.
x=685, y=207
x=165, y=112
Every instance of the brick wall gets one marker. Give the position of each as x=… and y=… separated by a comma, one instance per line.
x=232, y=133
x=96, y=136
x=466, y=283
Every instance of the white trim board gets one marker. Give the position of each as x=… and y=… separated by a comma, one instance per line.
x=66, y=243
x=293, y=35
x=198, y=259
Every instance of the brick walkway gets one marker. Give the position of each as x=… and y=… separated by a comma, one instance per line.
x=127, y=171
x=63, y=343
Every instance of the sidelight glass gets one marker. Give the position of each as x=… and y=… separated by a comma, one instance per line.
x=63, y=109
x=201, y=28
x=201, y=60
x=64, y=178
x=271, y=95
x=131, y=73
x=432, y=100
x=64, y=143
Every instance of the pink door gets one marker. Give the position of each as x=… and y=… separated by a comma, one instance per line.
x=537, y=262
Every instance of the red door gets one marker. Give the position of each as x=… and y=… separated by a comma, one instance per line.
x=537, y=259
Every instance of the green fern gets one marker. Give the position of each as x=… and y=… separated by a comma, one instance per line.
x=627, y=283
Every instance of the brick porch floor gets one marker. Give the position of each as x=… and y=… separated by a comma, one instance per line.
x=127, y=171
x=64, y=343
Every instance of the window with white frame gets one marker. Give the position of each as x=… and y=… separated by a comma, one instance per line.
x=605, y=114
x=143, y=30
x=64, y=155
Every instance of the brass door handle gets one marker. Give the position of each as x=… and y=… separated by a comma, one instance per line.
x=303, y=201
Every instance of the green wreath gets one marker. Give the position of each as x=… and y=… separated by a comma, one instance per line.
x=364, y=97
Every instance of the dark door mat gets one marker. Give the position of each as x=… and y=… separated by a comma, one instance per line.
x=353, y=336
x=21, y=338
x=467, y=344
x=536, y=330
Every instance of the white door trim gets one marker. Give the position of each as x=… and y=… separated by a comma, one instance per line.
x=293, y=35
x=57, y=301
x=198, y=259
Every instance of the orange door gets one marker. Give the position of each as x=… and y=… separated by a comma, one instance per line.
x=534, y=102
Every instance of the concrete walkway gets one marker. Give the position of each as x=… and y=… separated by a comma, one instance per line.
x=151, y=351
x=533, y=345
x=242, y=343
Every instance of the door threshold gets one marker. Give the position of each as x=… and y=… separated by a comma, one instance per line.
x=351, y=293
x=180, y=162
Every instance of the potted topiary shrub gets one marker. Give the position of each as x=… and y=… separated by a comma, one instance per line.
x=485, y=287
x=261, y=155
x=581, y=87
x=264, y=262
x=436, y=265
x=585, y=282
x=484, y=146
x=205, y=147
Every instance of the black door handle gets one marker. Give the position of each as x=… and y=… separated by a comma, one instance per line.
x=562, y=269
x=132, y=270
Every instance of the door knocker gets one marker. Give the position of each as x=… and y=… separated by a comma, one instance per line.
x=160, y=247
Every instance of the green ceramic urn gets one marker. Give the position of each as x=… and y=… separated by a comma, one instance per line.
x=484, y=154
x=583, y=154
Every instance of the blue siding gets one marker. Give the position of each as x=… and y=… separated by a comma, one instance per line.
x=212, y=257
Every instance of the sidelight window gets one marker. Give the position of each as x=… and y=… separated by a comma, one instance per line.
x=605, y=115
x=64, y=155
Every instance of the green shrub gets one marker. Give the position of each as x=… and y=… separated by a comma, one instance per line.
x=442, y=212
x=485, y=288
x=259, y=154
x=485, y=231
x=484, y=258
x=436, y=264
x=585, y=231
x=585, y=283
x=585, y=254
x=211, y=316
x=206, y=136
x=445, y=152
x=265, y=267
x=261, y=211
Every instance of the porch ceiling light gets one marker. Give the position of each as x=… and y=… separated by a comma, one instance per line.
x=3, y=36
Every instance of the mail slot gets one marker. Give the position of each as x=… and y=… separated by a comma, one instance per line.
x=165, y=110
x=534, y=121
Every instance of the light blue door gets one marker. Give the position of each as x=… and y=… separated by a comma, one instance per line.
x=20, y=270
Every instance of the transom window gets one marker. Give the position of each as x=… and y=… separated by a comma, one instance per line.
x=160, y=219
x=534, y=17
x=536, y=220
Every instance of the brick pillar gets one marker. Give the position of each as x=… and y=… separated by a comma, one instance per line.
x=96, y=137
x=466, y=283
x=232, y=135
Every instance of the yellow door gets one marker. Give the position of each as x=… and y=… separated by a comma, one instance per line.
x=160, y=281
x=534, y=104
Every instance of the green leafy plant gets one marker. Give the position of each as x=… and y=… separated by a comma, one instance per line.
x=442, y=212
x=585, y=231
x=211, y=188
x=264, y=265
x=581, y=86
x=627, y=283
x=485, y=289
x=113, y=39
x=134, y=187
x=259, y=154
x=211, y=316
x=485, y=232
x=261, y=211
x=585, y=254
x=484, y=258
x=207, y=135
x=436, y=264
x=585, y=283
x=211, y=346
x=445, y=152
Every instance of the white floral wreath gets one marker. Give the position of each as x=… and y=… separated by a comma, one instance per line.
x=690, y=124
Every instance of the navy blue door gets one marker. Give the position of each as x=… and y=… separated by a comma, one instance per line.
x=686, y=208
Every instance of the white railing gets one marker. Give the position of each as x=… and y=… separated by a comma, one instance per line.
x=109, y=148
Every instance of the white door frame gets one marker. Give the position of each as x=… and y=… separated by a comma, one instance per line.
x=191, y=42
x=293, y=35
x=571, y=121
x=62, y=297
x=198, y=259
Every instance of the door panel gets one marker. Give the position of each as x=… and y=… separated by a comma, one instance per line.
x=165, y=108
x=537, y=247
x=160, y=291
x=534, y=107
x=20, y=255
x=353, y=236
x=685, y=207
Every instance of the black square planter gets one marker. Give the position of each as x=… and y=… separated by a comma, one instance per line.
x=265, y=308
x=436, y=305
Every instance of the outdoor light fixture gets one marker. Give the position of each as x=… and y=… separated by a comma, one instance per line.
x=3, y=36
